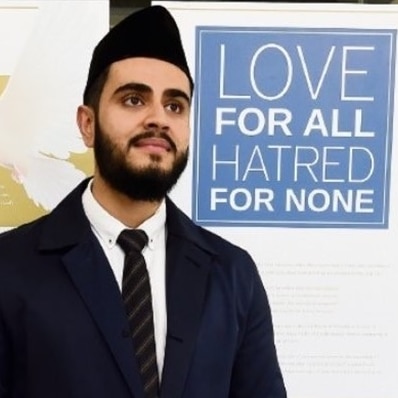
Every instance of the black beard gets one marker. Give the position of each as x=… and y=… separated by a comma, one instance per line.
x=149, y=183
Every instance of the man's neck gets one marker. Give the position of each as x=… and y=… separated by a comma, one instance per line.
x=131, y=213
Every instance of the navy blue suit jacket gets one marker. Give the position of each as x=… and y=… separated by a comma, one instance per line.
x=63, y=325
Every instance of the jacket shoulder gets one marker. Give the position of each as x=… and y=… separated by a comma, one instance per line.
x=21, y=235
x=215, y=245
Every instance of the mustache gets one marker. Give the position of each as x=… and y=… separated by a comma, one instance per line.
x=152, y=134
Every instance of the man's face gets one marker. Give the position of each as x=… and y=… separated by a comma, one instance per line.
x=142, y=127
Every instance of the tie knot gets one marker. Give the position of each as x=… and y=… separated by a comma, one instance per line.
x=132, y=240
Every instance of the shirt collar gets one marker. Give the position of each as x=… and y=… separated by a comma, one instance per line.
x=108, y=228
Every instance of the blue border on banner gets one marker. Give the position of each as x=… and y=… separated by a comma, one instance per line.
x=293, y=127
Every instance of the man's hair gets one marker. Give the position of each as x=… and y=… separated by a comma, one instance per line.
x=93, y=94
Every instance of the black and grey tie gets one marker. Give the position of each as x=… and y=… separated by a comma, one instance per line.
x=136, y=294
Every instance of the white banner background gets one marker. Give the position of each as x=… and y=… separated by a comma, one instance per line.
x=333, y=291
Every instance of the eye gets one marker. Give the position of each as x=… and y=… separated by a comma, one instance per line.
x=175, y=107
x=133, y=100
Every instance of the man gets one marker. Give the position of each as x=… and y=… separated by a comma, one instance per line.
x=68, y=323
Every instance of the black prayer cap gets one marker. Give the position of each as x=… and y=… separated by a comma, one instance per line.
x=150, y=32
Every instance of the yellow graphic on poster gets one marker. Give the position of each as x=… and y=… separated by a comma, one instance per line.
x=16, y=207
x=45, y=51
x=3, y=83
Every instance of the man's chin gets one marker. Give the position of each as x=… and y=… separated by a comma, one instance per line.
x=161, y=165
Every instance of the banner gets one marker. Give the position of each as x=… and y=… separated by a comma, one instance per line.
x=293, y=157
x=45, y=49
x=320, y=161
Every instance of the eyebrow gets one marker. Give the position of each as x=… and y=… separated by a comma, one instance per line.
x=145, y=89
x=175, y=92
x=140, y=87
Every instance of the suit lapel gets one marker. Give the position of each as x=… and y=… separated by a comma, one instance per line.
x=188, y=268
x=67, y=231
x=98, y=288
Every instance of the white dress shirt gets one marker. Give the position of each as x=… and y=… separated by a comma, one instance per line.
x=107, y=229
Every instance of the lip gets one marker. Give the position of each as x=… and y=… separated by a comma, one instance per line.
x=153, y=144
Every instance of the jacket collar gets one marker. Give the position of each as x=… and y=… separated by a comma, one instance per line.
x=67, y=224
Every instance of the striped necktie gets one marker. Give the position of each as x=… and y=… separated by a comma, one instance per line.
x=136, y=294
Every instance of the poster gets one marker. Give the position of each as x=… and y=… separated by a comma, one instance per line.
x=293, y=157
x=45, y=49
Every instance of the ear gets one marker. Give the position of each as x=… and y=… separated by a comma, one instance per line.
x=86, y=122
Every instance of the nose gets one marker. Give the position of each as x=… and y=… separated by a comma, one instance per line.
x=156, y=118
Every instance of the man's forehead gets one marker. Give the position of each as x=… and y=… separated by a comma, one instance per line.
x=153, y=73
